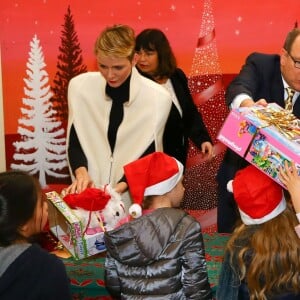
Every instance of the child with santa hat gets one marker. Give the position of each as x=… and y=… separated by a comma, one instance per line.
x=262, y=257
x=159, y=254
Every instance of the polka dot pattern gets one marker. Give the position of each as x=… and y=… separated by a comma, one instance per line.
x=200, y=177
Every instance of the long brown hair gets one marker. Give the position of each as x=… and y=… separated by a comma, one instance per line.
x=267, y=256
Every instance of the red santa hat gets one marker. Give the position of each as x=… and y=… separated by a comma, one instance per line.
x=259, y=198
x=91, y=199
x=153, y=174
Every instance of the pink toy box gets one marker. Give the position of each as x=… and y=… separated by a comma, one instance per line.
x=67, y=227
x=264, y=136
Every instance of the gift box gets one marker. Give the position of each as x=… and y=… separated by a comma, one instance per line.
x=264, y=136
x=69, y=230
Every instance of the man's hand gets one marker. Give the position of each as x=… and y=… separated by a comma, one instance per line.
x=249, y=102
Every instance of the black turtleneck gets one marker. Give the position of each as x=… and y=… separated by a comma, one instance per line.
x=76, y=155
x=119, y=95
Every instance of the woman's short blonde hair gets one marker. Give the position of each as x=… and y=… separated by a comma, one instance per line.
x=116, y=41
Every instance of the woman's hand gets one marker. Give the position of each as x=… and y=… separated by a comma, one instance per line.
x=207, y=150
x=81, y=182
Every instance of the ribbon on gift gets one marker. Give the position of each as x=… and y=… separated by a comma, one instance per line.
x=285, y=122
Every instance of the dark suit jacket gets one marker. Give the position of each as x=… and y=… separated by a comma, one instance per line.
x=179, y=129
x=260, y=77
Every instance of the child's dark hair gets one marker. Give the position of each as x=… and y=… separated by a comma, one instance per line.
x=19, y=194
x=147, y=201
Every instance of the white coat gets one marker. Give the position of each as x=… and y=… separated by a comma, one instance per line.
x=145, y=116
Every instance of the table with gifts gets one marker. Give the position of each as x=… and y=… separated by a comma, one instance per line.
x=84, y=258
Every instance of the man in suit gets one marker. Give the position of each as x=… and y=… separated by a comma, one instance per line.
x=263, y=79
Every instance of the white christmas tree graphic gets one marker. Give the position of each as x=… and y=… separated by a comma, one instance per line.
x=41, y=150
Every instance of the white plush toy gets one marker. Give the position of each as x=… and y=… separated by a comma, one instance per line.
x=114, y=211
x=98, y=209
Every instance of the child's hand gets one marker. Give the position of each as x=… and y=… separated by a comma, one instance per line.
x=289, y=177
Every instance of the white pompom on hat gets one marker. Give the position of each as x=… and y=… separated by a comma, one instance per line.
x=153, y=174
x=259, y=198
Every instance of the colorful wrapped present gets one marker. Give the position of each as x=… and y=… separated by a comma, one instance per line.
x=265, y=136
x=70, y=231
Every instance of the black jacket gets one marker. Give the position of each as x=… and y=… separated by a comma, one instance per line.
x=261, y=77
x=34, y=275
x=190, y=126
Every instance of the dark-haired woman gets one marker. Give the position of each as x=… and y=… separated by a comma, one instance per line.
x=156, y=60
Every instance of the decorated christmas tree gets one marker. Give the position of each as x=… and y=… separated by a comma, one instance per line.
x=205, y=82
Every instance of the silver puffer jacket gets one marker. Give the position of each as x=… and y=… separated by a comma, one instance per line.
x=157, y=256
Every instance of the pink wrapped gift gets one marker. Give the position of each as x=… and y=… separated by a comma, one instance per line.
x=265, y=136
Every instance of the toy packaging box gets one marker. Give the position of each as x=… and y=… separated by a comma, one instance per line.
x=68, y=228
x=265, y=136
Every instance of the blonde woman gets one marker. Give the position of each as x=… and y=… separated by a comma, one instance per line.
x=115, y=115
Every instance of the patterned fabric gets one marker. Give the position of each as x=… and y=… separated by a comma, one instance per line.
x=87, y=275
x=207, y=219
x=289, y=99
